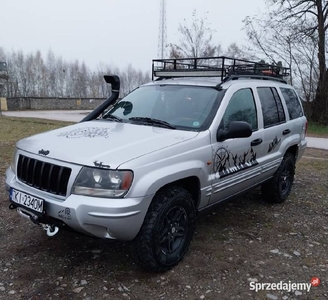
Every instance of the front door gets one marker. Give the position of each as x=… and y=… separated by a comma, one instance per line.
x=235, y=164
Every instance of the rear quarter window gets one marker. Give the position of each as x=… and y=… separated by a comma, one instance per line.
x=293, y=104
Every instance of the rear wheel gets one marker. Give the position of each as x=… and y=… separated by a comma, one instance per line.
x=279, y=187
x=167, y=230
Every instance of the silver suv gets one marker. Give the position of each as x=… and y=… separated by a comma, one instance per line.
x=142, y=167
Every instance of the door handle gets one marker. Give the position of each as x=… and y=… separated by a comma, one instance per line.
x=286, y=131
x=256, y=142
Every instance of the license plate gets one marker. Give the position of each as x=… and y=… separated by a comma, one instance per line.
x=27, y=200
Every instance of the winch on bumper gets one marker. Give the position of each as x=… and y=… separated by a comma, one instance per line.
x=119, y=218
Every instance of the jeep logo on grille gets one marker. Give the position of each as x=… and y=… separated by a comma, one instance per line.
x=44, y=152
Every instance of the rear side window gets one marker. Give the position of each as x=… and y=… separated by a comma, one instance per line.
x=273, y=111
x=293, y=104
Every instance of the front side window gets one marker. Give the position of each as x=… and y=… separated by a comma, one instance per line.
x=241, y=108
x=184, y=107
x=272, y=109
x=293, y=104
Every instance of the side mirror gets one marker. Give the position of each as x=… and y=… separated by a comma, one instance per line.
x=127, y=105
x=237, y=129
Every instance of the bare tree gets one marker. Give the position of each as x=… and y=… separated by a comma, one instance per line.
x=196, y=40
x=104, y=88
x=131, y=79
x=277, y=41
x=62, y=78
x=52, y=75
x=306, y=72
x=273, y=41
x=309, y=19
x=236, y=51
x=3, y=76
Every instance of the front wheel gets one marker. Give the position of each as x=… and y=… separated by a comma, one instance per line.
x=279, y=187
x=167, y=231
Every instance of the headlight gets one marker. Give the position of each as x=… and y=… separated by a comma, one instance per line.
x=102, y=182
x=13, y=161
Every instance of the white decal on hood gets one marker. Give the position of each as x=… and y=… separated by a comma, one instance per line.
x=87, y=132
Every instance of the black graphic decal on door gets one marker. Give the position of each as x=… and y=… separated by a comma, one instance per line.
x=227, y=163
x=273, y=144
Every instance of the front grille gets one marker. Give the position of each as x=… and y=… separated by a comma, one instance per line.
x=43, y=176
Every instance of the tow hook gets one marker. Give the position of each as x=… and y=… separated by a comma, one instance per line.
x=51, y=230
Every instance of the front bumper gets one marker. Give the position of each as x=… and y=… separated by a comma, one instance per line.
x=119, y=219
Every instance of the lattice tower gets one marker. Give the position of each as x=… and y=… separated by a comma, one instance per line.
x=162, y=36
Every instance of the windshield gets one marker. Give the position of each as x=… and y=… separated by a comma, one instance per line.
x=184, y=107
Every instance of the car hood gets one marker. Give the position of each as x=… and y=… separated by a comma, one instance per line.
x=102, y=142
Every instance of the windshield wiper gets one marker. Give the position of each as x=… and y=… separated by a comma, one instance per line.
x=152, y=122
x=113, y=117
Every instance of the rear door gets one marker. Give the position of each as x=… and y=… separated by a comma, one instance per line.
x=276, y=129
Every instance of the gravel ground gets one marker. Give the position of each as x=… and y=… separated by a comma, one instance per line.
x=243, y=241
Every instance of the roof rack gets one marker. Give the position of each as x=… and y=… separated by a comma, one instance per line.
x=226, y=68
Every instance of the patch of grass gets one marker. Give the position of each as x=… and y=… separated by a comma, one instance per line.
x=317, y=130
x=5, y=155
x=13, y=129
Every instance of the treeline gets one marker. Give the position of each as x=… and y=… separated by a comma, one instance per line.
x=32, y=75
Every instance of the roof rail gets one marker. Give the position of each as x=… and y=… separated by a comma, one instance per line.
x=220, y=66
x=263, y=77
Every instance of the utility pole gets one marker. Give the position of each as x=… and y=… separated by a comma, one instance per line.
x=162, y=36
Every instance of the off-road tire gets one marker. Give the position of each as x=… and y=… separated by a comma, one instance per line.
x=167, y=231
x=277, y=189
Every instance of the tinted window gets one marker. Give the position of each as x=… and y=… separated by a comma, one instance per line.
x=281, y=112
x=293, y=104
x=273, y=112
x=241, y=108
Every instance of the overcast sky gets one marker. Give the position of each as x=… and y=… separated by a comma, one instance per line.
x=113, y=32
